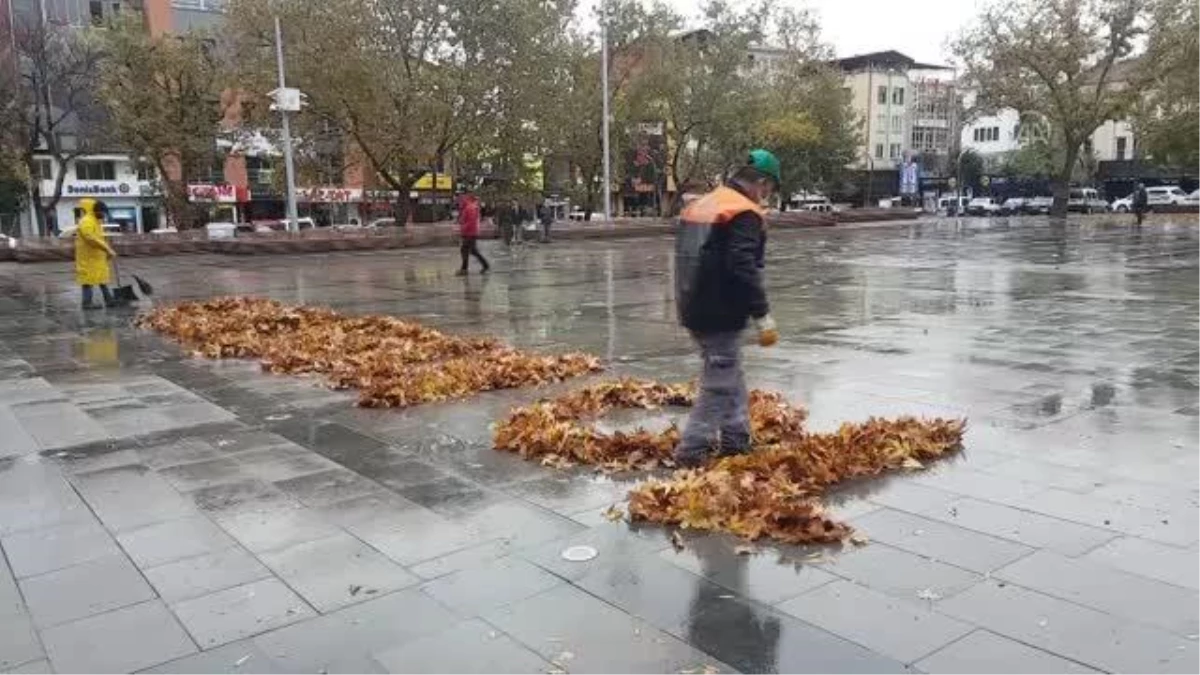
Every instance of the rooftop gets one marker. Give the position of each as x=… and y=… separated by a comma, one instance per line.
x=887, y=58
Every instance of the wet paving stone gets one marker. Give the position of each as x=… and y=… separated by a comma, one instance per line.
x=598, y=636
x=120, y=641
x=345, y=640
x=80, y=591
x=1062, y=538
x=203, y=574
x=171, y=540
x=34, y=552
x=241, y=611
x=473, y=646
x=473, y=591
x=336, y=571
x=985, y=652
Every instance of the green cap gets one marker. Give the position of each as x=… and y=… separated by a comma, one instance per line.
x=765, y=162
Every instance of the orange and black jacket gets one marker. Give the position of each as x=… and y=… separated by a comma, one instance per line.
x=718, y=257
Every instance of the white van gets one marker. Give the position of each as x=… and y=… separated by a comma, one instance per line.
x=946, y=204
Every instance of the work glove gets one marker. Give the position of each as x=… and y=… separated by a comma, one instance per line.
x=768, y=335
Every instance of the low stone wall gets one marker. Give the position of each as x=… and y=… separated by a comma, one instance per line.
x=41, y=249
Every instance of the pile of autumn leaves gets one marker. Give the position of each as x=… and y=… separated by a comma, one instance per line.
x=773, y=492
x=392, y=363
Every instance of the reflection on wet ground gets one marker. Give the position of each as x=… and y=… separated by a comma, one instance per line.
x=189, y=515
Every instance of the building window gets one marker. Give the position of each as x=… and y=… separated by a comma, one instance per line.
x=43, y=169
x=897, y=123
x=879, y=151
x=1121, y=141
x=881, y=97
x=894, y=151
x=898, y=95
x=995, y=133
x=95, y=170
x=146, y=171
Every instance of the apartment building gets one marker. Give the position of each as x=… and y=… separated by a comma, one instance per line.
x=907, y=108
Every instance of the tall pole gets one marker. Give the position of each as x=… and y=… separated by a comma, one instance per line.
x=289, y=171
x=604, y=107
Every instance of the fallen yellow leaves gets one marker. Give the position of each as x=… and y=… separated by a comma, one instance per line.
x=772, y=492
x=392, y=362
x=559, y=432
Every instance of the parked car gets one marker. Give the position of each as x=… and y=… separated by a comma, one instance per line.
x=983, y=206
x=1085, y=200
x=946, y=205
x=1193, y=199
x=1122, y=205
x=1038, y=206
x=1013, y=206
x=1164, y=195
x=576, y=214
x=804, y=201
x=382, y=222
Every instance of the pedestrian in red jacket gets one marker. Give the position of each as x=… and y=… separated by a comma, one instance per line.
x=468, y=229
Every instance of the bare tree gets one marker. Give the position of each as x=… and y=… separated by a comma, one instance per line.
x=49, y=107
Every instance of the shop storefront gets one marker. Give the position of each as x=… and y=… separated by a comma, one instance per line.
x=330, y=205
x=226, y=203
x=134, y=206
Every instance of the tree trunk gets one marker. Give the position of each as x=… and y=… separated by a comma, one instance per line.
x=1062, y=183
x=175, y=203
x=40, y=226
x=402, y=209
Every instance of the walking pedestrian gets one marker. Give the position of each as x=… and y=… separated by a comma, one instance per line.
x=468, y=229
x=718, y=289
x=546, y=216
x=508, y=218
x=1141, y=202
x=92, y=255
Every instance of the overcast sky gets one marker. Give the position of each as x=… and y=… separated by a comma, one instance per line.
x=918, y=28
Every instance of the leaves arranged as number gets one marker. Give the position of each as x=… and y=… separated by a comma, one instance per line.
x=560, y=432
x=392, y=362
x=772, y=492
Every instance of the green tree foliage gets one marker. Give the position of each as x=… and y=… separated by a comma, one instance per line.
x=409, y=83
x=1167, y=118
x=571, y=124
x=1061, y=59
x=807, y=117
x=164, y=101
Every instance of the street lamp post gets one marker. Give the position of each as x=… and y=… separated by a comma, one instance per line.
x=289, y=170
x=604, y=111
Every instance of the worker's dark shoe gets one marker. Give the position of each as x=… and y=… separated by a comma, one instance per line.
x=734, y=444
x=690, y=459
x=92, y=306
x=460, y=273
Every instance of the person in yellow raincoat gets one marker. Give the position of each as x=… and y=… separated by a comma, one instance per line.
x=92, y=254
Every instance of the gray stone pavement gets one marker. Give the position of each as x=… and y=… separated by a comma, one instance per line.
x=178, y=515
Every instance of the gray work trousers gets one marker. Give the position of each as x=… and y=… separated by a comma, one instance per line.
x=720, y=418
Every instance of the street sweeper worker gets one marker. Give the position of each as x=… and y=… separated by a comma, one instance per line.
x=718, y=291
x=92, y=254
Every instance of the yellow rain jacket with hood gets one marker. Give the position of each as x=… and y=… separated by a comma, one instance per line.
x=91, y=249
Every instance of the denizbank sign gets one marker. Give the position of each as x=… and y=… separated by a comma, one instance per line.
x=95, y=189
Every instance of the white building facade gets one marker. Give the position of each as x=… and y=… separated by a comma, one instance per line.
x=128, y=188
